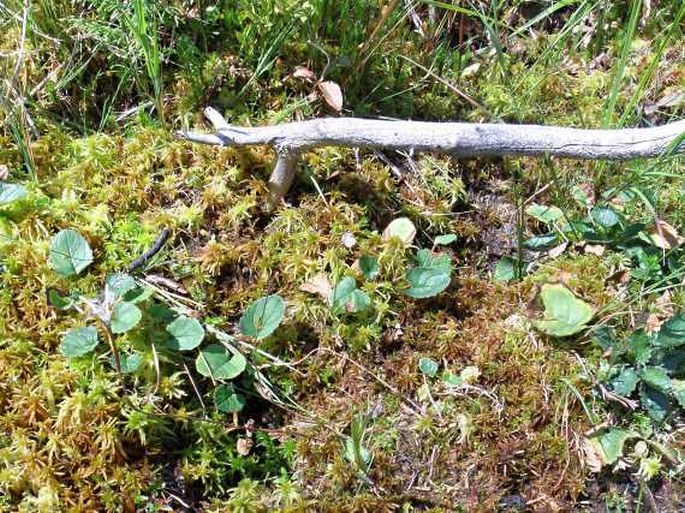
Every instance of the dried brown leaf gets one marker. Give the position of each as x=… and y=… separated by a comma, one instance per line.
x=244, y=446
x=653, y=323
x=304, y=73
x=332, y=94
x=593, y=456
x=664, y=236
x=594, y=249
x=557, y=250
x=319, y=285
x=4, y=172
x=674, y=99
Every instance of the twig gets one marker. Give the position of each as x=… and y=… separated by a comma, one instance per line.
x=156, y=247
x=451, y=87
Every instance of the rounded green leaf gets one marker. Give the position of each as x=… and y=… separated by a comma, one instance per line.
x=59, y=301
x=69, y=253
x=262, y=317
x=544, y=213
x=428, y=366
x=445, y=240
x=541, y=242
x=505, y=270
x=431, y=275
x=402, y=228
x=227, y=400
x=610, y=443
x=678, y=390
x=655, y=402
x=130, y=362
x=124, y=317
x=79, y=342
x=426, y=282
x=186, y=333
x=656, y=377
x=10, y=192
x=604, y=216
x=369, y=267
x=215, y=362
x=452, y=380
x=624, y=384
x=348, y=298
x=565, y=314
x=672, y=332
x=120, y=283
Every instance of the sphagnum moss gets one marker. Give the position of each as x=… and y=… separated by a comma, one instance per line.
x=72, y=432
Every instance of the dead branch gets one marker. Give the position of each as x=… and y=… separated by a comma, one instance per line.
x=456, y=139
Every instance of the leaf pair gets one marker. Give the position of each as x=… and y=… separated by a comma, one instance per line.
x=430, y=276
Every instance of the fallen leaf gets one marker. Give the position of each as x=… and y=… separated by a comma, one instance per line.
x=664, y=304
x=653, y=323
x=304, y=73
x=332, y=95
x=349, y=240
x=674, y=99
x=593, y=456
x=664, y=236
x=244, y=446
x=4, y=172
x=594, y=249
x=319, y=285
x=470, y=70
x=557, y=250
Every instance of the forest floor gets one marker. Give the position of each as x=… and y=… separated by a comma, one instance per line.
x=298, y=358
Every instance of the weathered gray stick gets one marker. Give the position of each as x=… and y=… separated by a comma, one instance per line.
x=458, y=139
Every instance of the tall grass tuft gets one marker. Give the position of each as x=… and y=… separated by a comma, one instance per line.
x=144, y=29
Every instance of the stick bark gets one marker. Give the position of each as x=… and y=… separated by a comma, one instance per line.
x=457, y=139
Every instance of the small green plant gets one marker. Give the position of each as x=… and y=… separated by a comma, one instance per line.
x=354, y=450
x=347, y=298
x=616, y=222
x=468, y=375
x=430, y=275
x=128, y=316
x=647, y=368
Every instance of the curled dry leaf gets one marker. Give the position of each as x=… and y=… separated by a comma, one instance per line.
x=319, y=285
x=304, y=73
x=664, y=236
x=593, y=457
x=653, y=323
x=557, y=250
x=674, y=99
x=244, y=446
x=331, y=94
x=4, y=172
x=594, y=249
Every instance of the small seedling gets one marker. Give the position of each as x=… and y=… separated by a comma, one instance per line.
x=430, y=276
x=355, y=452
